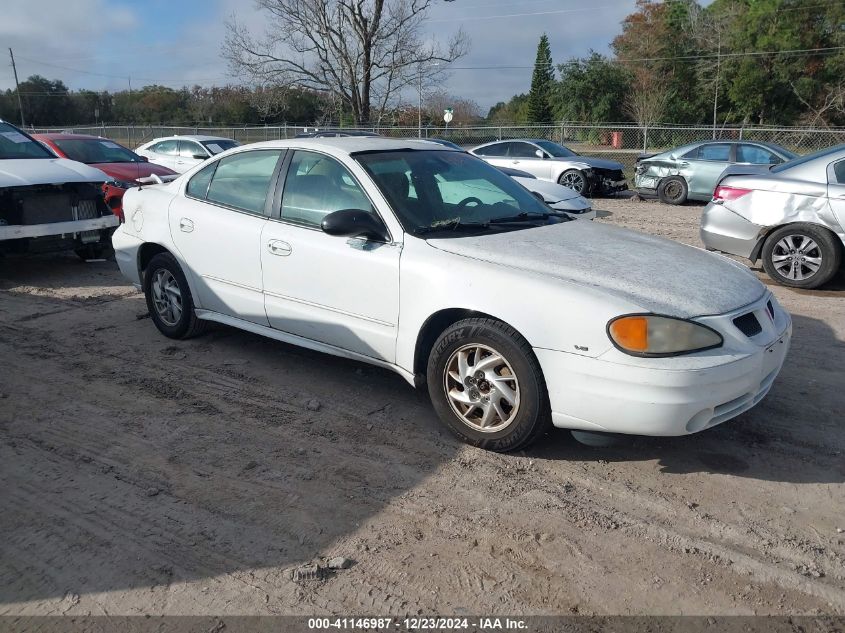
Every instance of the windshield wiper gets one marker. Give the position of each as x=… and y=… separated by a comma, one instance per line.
x=520, y=217
x=450, y=225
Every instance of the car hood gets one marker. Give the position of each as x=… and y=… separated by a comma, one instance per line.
x=46, y=171
x=596, y=163
x=658, y=275
x=133, y=171
x=551, y=191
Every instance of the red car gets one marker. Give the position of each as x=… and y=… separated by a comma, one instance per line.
x=122, y=165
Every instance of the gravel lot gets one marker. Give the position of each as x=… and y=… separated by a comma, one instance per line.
x=143, y=475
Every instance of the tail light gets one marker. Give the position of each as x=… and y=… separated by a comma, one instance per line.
x=726, y=194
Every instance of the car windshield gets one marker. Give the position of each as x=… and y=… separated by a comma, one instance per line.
x=13, y=144
x=806, y=159
x=219, y=145
x=558, y=151
x=450, y=192
x=96, y=150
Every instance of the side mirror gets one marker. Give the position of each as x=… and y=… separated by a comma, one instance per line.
x=199, y=156
x=144, y=159
x=354, y=223
x=540, y=153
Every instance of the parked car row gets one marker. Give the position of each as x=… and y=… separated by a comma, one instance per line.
x=432, y=263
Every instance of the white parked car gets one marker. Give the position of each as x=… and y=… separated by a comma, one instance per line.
x=555, y=196
x=382, y=250
x=181, y=153
x=49, y=203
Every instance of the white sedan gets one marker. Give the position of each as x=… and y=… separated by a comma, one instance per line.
x=514, y=319
x=181, y=153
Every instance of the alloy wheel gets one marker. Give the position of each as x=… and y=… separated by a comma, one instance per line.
x=574, y=181
x=167, y=297
x=482, y=388
x=796, y=257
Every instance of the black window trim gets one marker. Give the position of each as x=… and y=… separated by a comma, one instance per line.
x=276, y=210
x=268, y=199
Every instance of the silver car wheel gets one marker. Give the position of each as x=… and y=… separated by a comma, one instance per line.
x=167, y=297
x=797, y=257
x=574, y=180
x=482, y=388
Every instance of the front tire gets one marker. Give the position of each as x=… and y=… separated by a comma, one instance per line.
x=487, y=387
x=673, y=190
x=576, y=180
x=801, y=255
x=169, y=299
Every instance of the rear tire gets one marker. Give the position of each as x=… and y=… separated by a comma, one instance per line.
x=487, y=387
x=169, y=298
x=801, y=255
x=673, y=190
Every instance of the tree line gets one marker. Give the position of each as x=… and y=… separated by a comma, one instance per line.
x=773, y=62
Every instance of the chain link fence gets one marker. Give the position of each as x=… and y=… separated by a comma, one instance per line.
x=622, y=142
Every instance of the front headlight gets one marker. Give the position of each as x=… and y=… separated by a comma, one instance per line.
x=122, y=184
x=653, y=335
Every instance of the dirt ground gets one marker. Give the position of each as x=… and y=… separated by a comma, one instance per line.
x=143, y=475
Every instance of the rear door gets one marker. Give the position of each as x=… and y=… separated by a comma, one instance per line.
x=705, y=166
x=216, y=226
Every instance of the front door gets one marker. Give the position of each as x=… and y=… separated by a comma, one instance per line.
x=339, y=291
x=217, y=225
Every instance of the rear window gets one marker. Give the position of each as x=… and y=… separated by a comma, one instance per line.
x=14, y=144
x=215, y=147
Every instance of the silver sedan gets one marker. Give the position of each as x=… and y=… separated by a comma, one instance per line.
x=792, y=216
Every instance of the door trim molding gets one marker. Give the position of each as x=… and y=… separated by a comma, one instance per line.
x=330, y=309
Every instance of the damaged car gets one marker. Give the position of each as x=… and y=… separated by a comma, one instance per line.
x=792, y=216
x=513, y=319
x=690, y=172
x=49, y=203
x=551, y=161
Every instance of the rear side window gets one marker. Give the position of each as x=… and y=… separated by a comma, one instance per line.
x=496, y=149
x=717, y=151
x=755, y=155
x=198, y=185
x=242, y=181
x=165, y=147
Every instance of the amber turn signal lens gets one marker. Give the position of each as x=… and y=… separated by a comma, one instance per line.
x=631, y=333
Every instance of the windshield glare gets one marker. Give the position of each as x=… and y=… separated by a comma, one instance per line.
x=431, y=189
x=98, y=150
x=215, y=147
x=558, y=151
x=13, y=144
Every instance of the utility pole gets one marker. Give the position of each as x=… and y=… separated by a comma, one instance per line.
x=130, y=110
x=716, y=87
x=17, y=85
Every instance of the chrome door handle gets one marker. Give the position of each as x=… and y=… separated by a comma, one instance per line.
x=186, y=225
x=278, y=247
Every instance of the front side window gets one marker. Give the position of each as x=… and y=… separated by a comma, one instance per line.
x=716, y=151
x=317, y=185
x=242, y=181
x=522, y=150
x=92, y=151
x=452, y=192
x=496, y=149
x=189, y=149
x=556, y=150
x=170, y=148
x=839, y=172
x=755, y=155
x=14, y=144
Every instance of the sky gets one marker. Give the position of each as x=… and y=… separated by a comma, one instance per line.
x=99, y=44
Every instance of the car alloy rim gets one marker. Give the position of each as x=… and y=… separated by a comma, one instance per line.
x=167, y=297
x=573, y=181
x=797, y=257
x=482, y=388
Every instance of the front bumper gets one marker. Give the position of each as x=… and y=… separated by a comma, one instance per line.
x=723, y=230
x=666, y=397
x=72, y=227
x=606, y=186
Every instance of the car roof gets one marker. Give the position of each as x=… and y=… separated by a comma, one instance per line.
x=354, y=144
x=67, y=136
x=191, y=137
